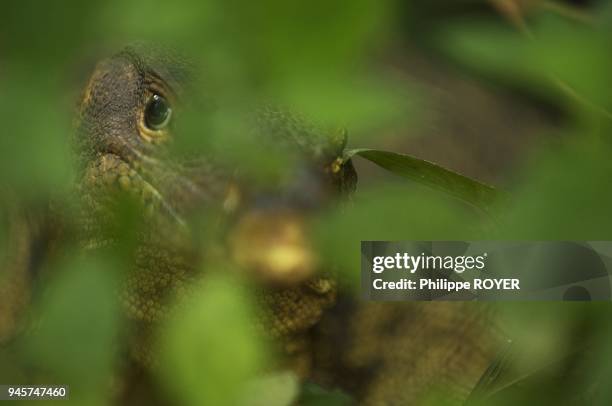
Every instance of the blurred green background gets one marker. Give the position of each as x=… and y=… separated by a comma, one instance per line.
x=512, y=92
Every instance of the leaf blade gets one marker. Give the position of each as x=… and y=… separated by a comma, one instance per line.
x=434, y=176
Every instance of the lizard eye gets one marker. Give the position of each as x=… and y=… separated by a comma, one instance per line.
x=157, y=113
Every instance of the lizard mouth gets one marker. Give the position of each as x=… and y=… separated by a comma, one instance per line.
x=111, y=172
x=271, y=246
x=166, y=187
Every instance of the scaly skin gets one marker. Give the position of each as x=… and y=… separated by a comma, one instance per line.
x=31, y=235
x=379, y=353
x=119, y=154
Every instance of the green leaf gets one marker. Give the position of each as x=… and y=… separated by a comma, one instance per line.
x=77, y=327
x=209, y=349
x=471, y=191
x=314, y=395
x=539, y=63
x=273, y=389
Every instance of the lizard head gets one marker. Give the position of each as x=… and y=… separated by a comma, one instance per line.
x=126, y=121
x=127, y=104
x=126, y=118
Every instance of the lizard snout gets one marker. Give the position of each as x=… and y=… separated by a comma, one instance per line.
x=273, y=246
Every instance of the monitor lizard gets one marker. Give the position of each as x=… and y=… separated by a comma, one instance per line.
x=378, y=353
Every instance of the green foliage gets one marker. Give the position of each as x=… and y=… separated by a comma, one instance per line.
x=480, y=195
x=314, y=395
x=277, y=389
x=36, y=129
x=338, y=234
x=322, y=59
x=565, y=195
x=556, y=57
x=269, y=49
x=78, y=325
x=215, y=316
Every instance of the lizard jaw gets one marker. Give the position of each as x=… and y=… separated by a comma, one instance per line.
x=110, y=173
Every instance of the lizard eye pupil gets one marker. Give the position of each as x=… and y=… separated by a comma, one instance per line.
x=157, y=113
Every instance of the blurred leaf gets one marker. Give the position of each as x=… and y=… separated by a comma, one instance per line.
x=565, y=195
x=559, y=55
x=355, y=101
x=391, y=213
x=36, y=138
x=491, y=376
x=208, y=350
x=45, y=35
x=229, y=138
x=249, y=51
x=78, y=326
x=601, y=367
x=278, y=389
x=471, y=191
x=548, y=358
x=314, y=395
